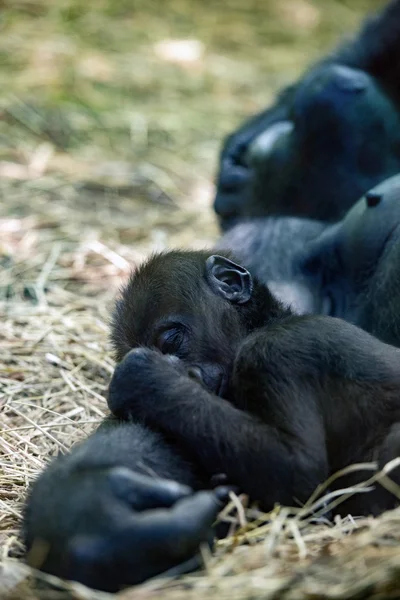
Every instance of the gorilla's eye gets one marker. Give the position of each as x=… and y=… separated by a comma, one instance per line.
x=171, y=341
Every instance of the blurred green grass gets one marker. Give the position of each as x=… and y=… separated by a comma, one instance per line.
x=86, y=75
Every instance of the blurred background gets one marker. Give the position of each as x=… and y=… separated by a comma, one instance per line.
x=113, y=111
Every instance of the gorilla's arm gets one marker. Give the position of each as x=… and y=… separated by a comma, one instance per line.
x=100, y=515
x=265, y=461
x=309, y=368
x=311, y=395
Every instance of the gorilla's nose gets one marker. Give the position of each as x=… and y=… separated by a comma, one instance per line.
x=349, y=80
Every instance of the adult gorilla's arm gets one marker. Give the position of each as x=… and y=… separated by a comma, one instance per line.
x=100, y=516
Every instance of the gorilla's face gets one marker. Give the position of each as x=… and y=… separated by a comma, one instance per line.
x=326, y=141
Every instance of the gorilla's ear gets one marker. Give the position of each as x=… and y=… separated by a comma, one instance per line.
x=229, y=280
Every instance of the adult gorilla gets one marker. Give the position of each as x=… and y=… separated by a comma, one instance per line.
x=327, y=139
x=348, y=269
x=354, y=266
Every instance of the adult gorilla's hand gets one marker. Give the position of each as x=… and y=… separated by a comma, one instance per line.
x=113, y=527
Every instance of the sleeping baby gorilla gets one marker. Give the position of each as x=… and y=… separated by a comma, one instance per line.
x=277, y=401
x=215, y=376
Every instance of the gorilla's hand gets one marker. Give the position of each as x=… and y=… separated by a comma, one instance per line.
x=146, y=378
x=112, y=527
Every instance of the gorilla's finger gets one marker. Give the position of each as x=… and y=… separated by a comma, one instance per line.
x=180, y=530
x=144, y=492
x=153, y=542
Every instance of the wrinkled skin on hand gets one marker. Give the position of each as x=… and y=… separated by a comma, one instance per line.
x=147, y=376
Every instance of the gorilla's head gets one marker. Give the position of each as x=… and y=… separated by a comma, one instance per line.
x=326, y=141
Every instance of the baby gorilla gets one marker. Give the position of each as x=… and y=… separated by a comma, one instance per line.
x=276, y=401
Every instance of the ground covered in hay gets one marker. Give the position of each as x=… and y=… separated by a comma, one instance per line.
x=109, y=132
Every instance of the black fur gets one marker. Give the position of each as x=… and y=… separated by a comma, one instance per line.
x=354, y=264
x=349, y=269
x=302, y=396
x=275, y=401
x=107, y=516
